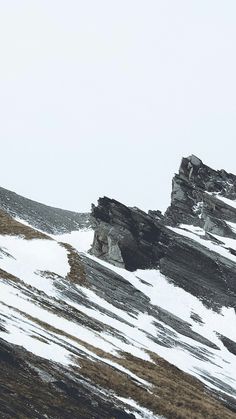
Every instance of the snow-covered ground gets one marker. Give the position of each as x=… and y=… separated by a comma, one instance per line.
x=81, y=240
x=135, y=334
x=27, y=258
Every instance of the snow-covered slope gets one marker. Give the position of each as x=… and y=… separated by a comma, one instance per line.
x=103, y=341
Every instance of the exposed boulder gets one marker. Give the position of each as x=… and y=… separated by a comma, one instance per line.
x=156, y=214
x=126, y=237
x=217, y=226
x=228, y=343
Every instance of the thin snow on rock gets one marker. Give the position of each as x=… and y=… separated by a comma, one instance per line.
x=30, y=257
x=27, y=224
x=197, y=235
x=24, y=333
x=17, y=300
x=232, y=226
x=175, y=300
x=133, y=334
x=227, y=201
x=139, y=412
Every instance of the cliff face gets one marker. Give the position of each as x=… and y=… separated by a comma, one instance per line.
x=195, y=198
x=130, y=238
x=126, y=237
x=140, y=325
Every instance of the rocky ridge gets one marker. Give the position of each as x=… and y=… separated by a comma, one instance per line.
x=43, y=217
x=196, y=190
x=140, y=326
x=130, y=238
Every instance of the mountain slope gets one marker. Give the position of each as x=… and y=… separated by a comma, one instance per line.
x=45, y=218
x=141, y=325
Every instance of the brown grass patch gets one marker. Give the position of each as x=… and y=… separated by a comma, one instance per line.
x=10, y=277
x=11, y=227
x=77, y=273
x=173, y=394
x=63, y=333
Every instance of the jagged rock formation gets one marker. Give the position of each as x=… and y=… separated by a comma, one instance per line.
x=126, y=237
x=130, y=238
x=142, y=325
x=194, y=197
x=45, y=218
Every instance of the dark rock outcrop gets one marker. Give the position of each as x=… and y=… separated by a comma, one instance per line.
x=229, y=344
x=194, y=197
x=205, y=274
x=126, y=237
x=130, y=238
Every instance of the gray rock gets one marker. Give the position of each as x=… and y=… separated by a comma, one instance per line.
x=126, y=237
x=196, y=186
x=43, y=217
x=133, y=239
x=217, y=226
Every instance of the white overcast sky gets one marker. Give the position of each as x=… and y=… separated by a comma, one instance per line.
x=104, y=97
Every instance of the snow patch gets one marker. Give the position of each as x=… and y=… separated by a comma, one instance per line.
x=143, y=413
x=81, y=240
x=31, y=256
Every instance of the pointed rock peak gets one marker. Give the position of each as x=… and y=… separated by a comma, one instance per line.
x=196, y=197
x=189, y=163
